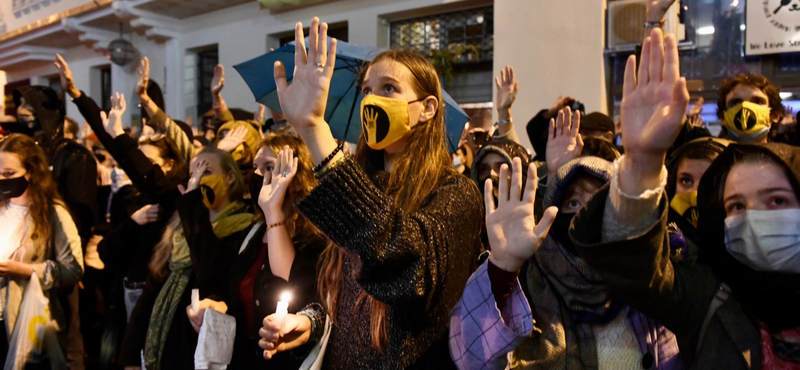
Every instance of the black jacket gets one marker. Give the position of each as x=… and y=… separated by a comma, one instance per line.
x=267, y=289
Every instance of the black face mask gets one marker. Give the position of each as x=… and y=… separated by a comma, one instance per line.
x=560, y=230
x=256, y=182
x=12, y=188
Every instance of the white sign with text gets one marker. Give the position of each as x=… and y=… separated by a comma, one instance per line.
x=773, y=27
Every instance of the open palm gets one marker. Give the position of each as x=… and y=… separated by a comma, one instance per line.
x=654, y=103
x=113, y=120
x=564, y=142
x=304, y=100
x=513, y=233
x=273, y=193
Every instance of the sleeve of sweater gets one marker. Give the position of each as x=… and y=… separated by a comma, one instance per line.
x=91, y=113
x=481, y=336
x=630, y=247
x=67, y=266
x=164, y=124
x=407, y=259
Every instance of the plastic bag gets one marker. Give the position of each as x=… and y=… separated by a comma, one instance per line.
x=34, y=337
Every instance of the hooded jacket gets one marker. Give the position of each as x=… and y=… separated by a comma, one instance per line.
x=552, y=313
x=772, y=298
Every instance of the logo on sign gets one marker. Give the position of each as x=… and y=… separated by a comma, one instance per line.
x=783, y=14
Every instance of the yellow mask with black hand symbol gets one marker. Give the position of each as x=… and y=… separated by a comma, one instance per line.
x=747, y=122
x=214, y=190
x=384, y=120
x=685, y=204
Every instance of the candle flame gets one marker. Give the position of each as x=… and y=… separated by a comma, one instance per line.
x=286, y=296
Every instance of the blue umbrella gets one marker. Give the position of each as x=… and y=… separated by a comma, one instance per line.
x=344, y=99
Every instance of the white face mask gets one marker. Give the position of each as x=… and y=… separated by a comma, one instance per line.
x=765, y=240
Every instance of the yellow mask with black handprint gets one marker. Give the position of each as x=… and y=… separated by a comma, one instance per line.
x=685, y=204
x=384, y=120
x=214, y=190
x=747, y=122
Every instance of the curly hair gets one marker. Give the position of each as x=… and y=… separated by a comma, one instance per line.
x=777, y=110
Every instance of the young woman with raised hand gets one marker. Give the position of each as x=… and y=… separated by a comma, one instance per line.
x=279, y=255
x=38, y=234
x=405, y=225
x=737, y=307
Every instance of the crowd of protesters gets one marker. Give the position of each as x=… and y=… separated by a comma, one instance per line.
x=645, y=243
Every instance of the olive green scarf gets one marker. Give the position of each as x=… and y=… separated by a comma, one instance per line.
x=229, y=220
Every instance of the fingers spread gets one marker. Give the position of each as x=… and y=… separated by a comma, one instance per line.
x=487, y=196
x=531, y=185
x=516, y=179
x=543, y=227
x=503, y=186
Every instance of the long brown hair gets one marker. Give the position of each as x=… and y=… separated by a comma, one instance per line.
x=167, y=150
x=296, y=224
x=42, y=189
x=163, y=250
x=424, y=164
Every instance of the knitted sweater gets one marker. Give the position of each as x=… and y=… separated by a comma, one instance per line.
x=416, y=263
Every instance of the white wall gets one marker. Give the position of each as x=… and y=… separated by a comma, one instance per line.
x=556, y=48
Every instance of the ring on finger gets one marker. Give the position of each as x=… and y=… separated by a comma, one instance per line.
x=319, y=65
x=285, y=173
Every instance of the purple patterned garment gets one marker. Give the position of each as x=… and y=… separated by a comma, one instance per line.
x=480, y=338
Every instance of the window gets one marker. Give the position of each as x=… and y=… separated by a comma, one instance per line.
x=206, y=61
x=459, y=44
x=712, y=52
x=338, y=31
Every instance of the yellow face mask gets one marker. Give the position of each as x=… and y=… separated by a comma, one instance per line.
x=214, y=190
x=748, y=122
x=685, y=204
x=384, y=120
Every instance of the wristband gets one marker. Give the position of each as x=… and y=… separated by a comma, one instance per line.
x=276, y=224
x=327, y=159
x=504, y=121
x=659, y=24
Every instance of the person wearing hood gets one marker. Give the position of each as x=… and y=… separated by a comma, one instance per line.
x=535, y=281
x=737, y=307
x=686, y=166
x=491, y=157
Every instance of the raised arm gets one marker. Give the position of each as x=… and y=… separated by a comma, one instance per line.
x=631, y=246
x=655, y=15
x=158, y=119
x=507, y=87
x=221, y=111
x=564, y=142
x=271, y=198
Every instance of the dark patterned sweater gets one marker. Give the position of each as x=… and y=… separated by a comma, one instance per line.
x=417, y=263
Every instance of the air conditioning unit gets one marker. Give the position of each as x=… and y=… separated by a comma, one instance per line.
x=626, y=18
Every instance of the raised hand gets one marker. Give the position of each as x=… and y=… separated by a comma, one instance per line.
x=218, y=81
x=564, y=142
x=233, y=139
x=293, y=332
x=513, y=232
x=146, y=214
x=144, y=79
x=113, y=121
x=273, y=192
x=199, y=167
x=653, y=107
x=304, y=101
x=507, y=88
x=67, y=83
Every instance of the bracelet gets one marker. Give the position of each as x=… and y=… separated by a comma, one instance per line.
x=327, y=159
x=659, y=24
x=504, y=121
x=276, y=224
x=330, y=168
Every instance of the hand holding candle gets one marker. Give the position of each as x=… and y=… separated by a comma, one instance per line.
x=283, y=331
x=282, y=309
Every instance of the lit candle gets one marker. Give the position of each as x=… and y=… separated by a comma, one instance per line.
x=282, y=309
x=195, y=300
